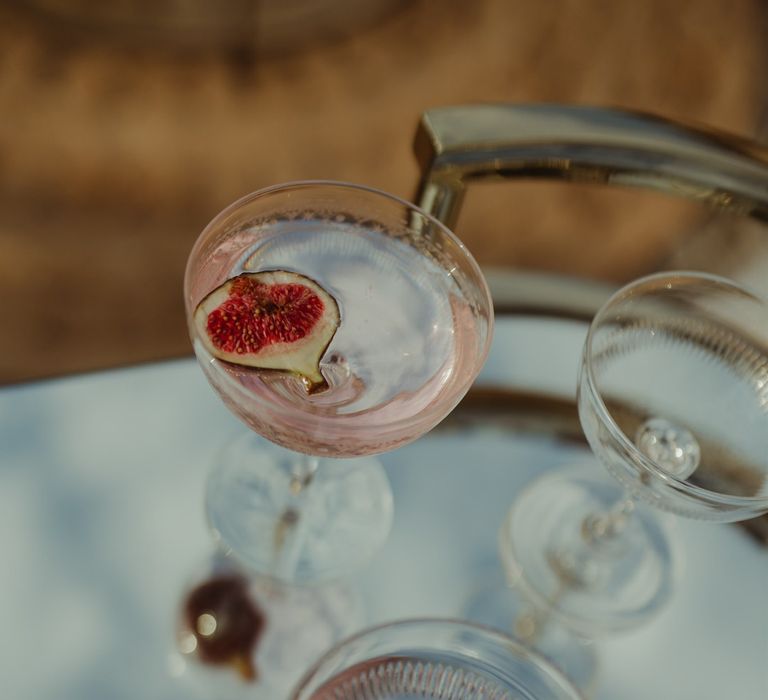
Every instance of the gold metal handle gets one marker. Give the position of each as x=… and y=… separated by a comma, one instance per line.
x=459, y=145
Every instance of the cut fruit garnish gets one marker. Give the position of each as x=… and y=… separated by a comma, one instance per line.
x=276, y=320
x=225, y=623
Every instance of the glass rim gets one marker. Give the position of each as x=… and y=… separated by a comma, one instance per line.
x=333, y=184
x=438, y=624
x=699, y=493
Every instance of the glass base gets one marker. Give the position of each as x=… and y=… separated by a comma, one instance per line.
x=592, y=582
x=505, y=609
x=217, y=654
x=293, y=525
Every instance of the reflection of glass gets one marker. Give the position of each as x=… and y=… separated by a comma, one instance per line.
x=432, y=658
x=416, y=322
x=673, y=399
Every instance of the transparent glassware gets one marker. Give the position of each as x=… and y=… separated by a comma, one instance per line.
x=309, y=503
x=432, y=658
x=673, y=400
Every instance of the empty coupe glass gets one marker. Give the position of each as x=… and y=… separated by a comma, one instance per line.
x=673, y=400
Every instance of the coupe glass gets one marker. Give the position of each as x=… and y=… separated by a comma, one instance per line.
x=310, y=503
x=444, y=659
x=673, y=400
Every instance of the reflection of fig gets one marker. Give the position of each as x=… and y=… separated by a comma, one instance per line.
x=225, y=623
x=270, y=320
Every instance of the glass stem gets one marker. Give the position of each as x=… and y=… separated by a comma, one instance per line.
x=583, y=561
x=290, y=529
x=587, y=558
x=303, y=472
x=599, y=528
x=529, y=625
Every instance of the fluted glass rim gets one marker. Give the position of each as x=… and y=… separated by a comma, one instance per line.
x=436, y=629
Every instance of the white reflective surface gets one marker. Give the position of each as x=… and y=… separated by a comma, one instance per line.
x=102, y=525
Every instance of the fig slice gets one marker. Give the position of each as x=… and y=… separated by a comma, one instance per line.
x=276, y=320
x=226, y=623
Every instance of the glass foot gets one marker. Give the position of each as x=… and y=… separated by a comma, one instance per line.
x=312, y=530
x=238, y=635
x=505, y=609
x=574, y=544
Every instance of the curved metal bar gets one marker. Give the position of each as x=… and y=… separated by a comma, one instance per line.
x=459, y=145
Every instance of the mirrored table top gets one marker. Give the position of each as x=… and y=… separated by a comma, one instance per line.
x=102, y=525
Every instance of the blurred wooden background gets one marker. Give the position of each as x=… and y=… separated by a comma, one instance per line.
x=119, y=142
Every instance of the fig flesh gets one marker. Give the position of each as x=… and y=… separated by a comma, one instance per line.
x=276, y=320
